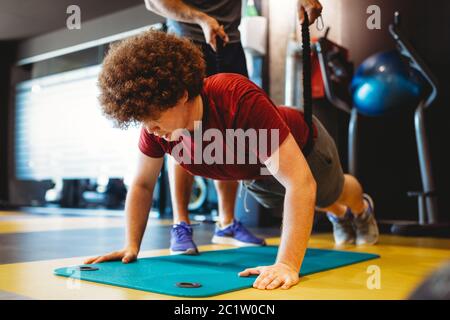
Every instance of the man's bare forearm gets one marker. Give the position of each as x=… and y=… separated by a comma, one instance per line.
x=298, y=217
x=175, y=10
x=137, y=208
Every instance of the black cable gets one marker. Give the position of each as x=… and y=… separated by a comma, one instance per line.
x=219, y=53
x=307, y=87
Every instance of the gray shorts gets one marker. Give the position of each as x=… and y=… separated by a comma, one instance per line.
x=325, y=166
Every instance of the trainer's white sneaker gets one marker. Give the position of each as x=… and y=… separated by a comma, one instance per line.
x=365, y=225
x=342, y=228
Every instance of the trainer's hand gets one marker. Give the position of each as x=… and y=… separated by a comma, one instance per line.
x=272, y=277
x=312, y=7
x=126, y=255
x=212, y=29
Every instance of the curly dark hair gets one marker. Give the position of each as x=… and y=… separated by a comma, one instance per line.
x=147, y=74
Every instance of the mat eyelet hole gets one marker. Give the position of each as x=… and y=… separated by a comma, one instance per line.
x=86, y=268
x=188, y=285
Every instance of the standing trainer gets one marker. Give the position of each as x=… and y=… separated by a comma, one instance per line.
x=203, y=22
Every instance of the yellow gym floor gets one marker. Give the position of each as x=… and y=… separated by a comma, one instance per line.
x=403, y=265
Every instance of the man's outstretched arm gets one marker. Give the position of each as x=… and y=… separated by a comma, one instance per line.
x=180, y=11
x=289, y=167
x=137, y=208
x=176, y=10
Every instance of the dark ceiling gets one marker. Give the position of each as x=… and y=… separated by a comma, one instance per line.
x=26, y=18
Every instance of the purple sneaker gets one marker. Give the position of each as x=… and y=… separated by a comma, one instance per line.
x=236, y=234
x=181, y=239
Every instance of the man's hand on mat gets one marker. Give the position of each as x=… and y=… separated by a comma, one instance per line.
x=272, y=277
x=126, y=255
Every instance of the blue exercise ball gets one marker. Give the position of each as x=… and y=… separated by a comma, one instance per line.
x=384, y=84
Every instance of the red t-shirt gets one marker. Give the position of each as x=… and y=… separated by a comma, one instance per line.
x=231, y=101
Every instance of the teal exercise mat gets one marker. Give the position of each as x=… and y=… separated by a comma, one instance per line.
x=214, y=271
